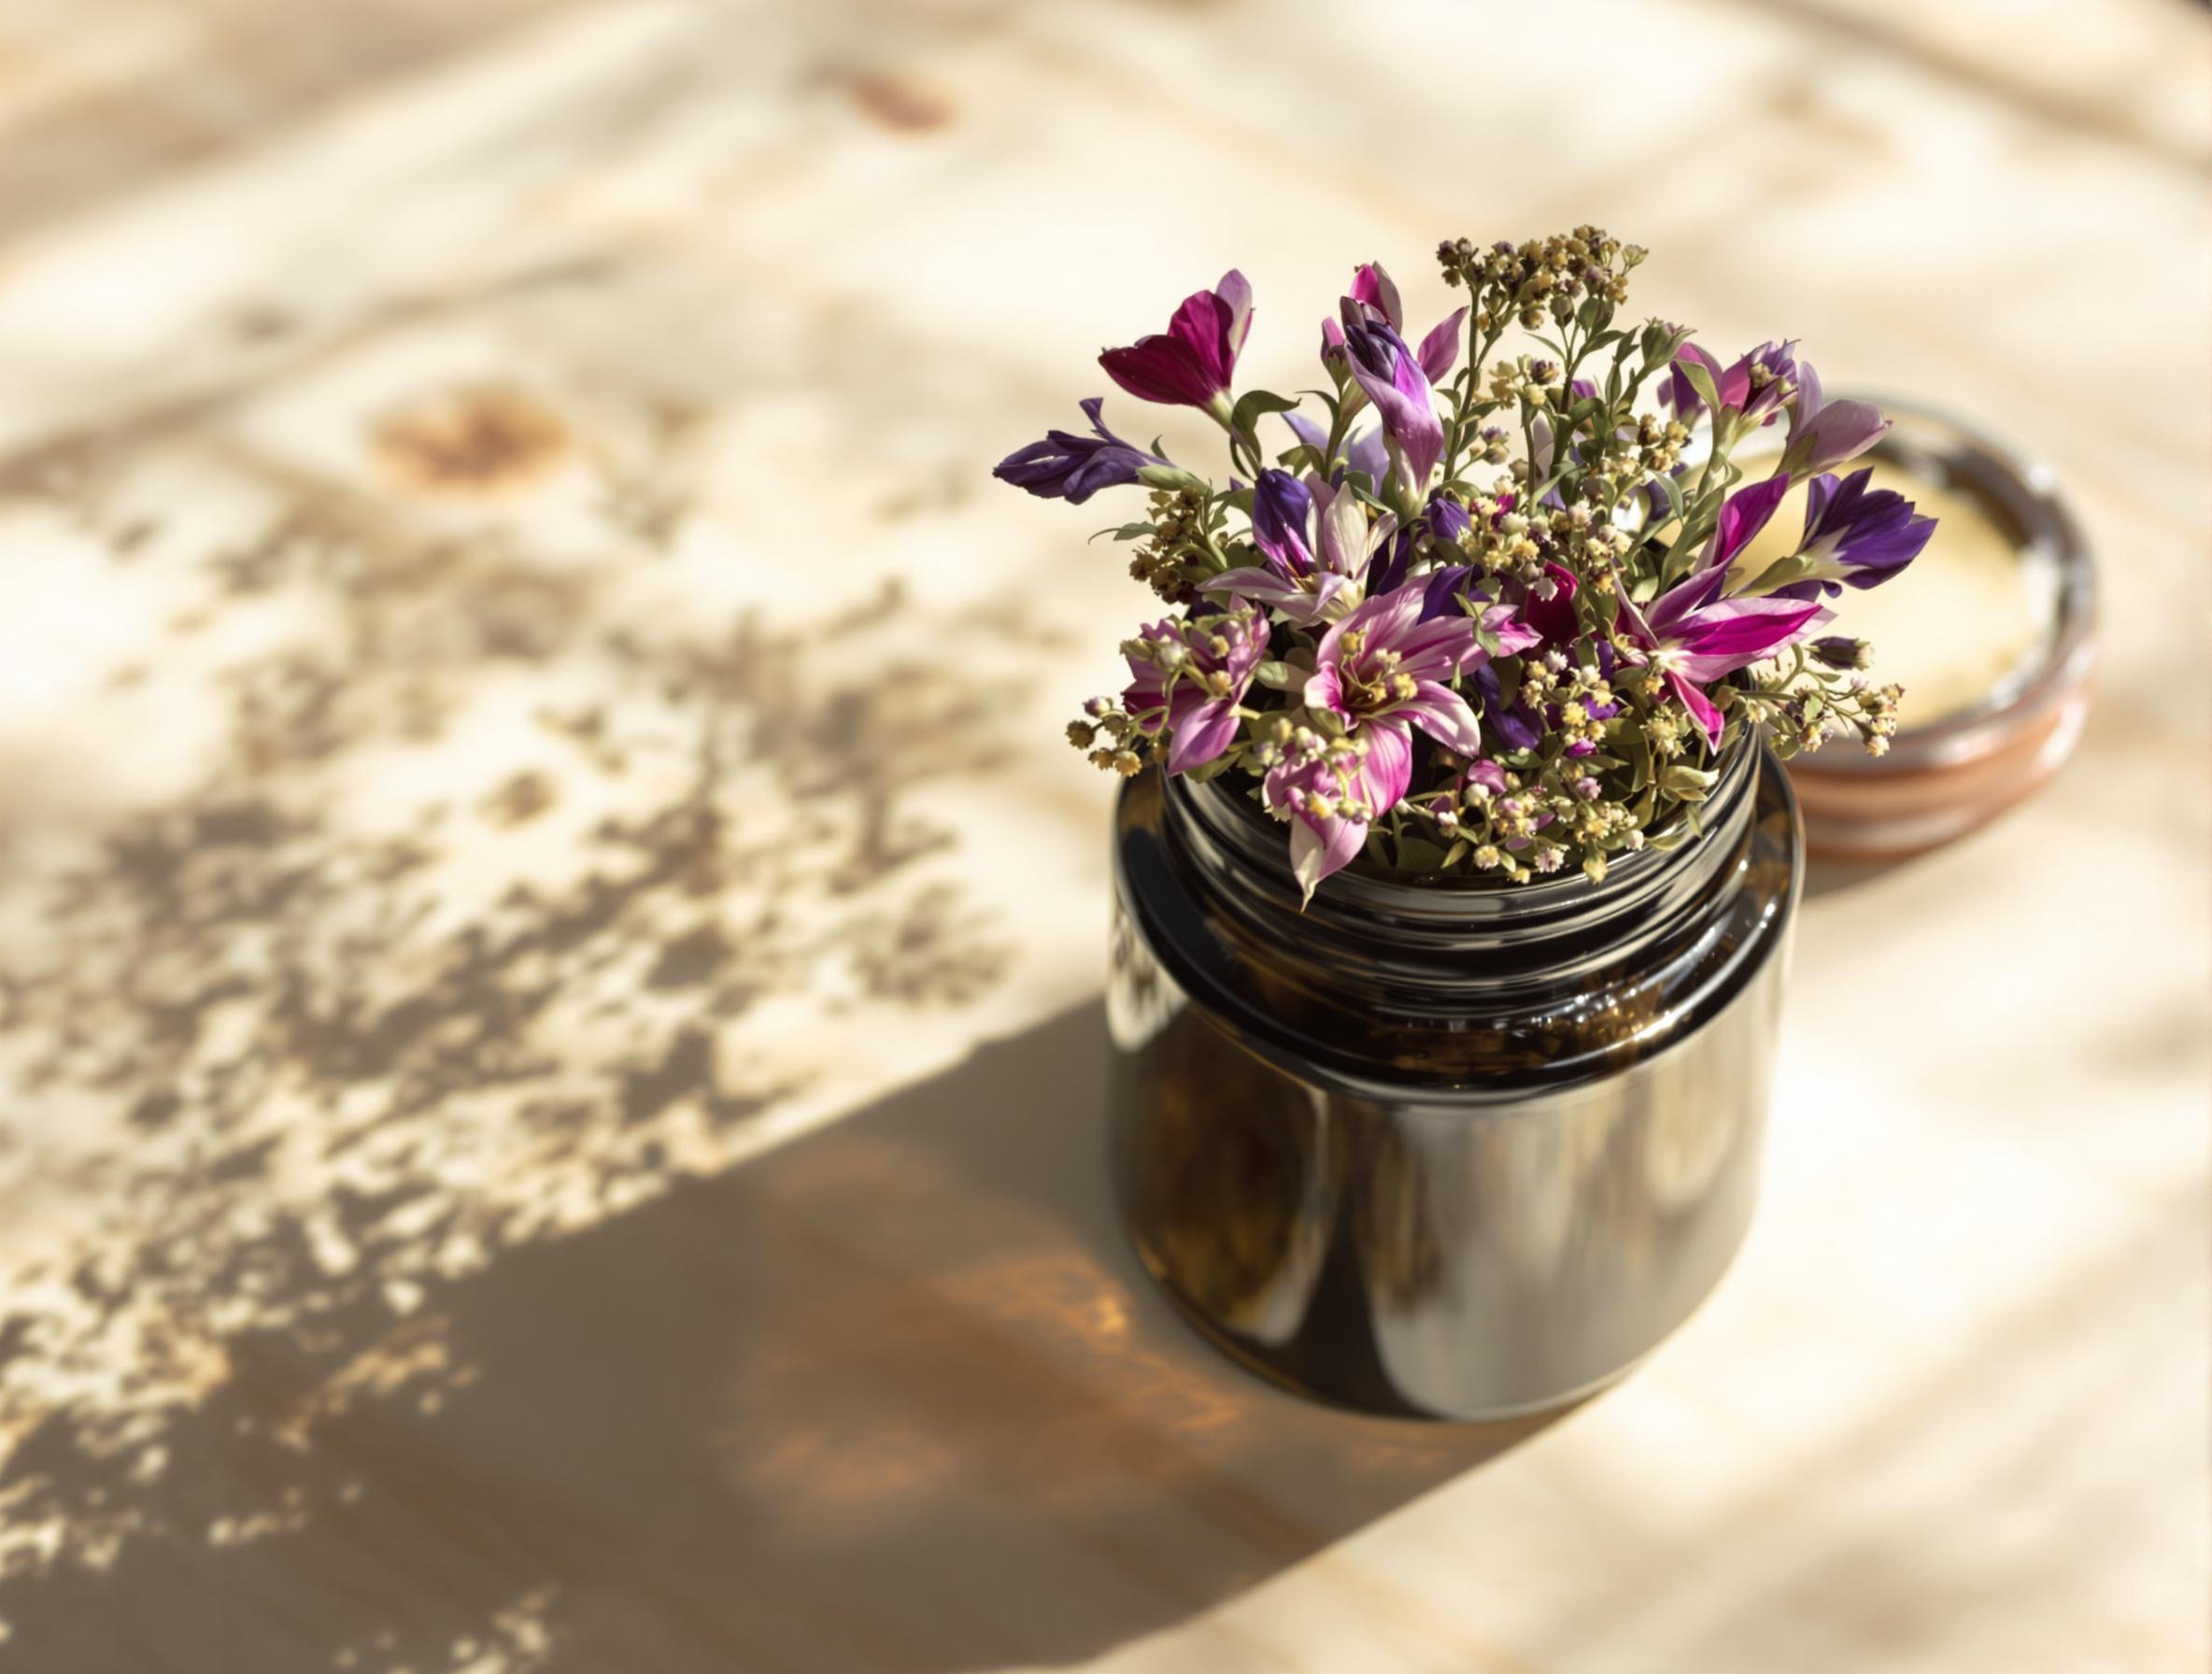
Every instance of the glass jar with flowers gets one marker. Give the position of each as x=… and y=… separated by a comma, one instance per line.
x=1455, y=867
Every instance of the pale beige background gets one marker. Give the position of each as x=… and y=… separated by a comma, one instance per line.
x=549, y=941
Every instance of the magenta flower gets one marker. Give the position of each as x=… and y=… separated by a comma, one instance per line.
x=1306, y=580
x=1073, y=468
x=1824, y=435
x=1694, y=636
x=1743, y=515
x=1385, y=666
x=1188, y=676
x=1192, y=364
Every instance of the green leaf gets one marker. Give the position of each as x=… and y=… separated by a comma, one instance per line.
x=1418, y=854
x=1632, y=739
x=1278, y=674
x=1508, y=679
x=1246, y=414
x=1128, y=532
x=1689, y=784
x=1701, y=380
x=1169, y=476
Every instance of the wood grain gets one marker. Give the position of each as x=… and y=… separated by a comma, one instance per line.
x=550, y=941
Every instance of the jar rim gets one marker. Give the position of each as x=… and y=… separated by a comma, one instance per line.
x=1360, y=890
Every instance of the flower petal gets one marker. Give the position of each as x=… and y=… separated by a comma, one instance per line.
x=1325, y=689
x=1444, y=715
x=1160, y=369
x=1235, y=291
x=1201, y=734
x=1317, y=850
x=1745, y=513
x=1441, y=348
x=1708, y=718
x=1202, y=325
x=1371, y=285
x=1387, y=768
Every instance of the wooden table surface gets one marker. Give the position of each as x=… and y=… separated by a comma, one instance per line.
x=549, y=941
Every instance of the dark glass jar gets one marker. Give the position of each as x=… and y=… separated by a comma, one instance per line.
x=1443, y=1148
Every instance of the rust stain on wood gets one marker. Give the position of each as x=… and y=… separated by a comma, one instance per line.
x=474, y=442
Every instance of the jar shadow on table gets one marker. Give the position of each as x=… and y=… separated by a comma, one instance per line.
x=893, y=1396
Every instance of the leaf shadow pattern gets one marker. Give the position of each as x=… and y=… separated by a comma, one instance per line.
x=373, y=1006
x=894, y=1397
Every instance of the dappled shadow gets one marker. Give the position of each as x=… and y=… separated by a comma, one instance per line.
x=891, y=1397
x=490, y=871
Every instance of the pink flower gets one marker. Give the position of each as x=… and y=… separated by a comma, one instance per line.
x=1694, y=636
x=1331, y=790
x=1193, y=362
x=1384, y=667
x=1188, y=677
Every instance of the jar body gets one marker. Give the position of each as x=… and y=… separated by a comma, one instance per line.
x=1444, y=1153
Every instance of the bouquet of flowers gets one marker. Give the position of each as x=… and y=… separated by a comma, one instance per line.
x=1492, y=622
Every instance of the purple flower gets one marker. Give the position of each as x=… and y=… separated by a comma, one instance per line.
x=1191, y=677
x=1392, y=377
x=1281, y=508
x=1442, y=589
x=1824, y=435
x=1854, y=537
x=1073, y=468
x=1306, y=580
x=1516, y=725
x=1386, y=664
x=1447, y=520
x=1192, y=364
x=1484, y=777
x=1695, y=635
